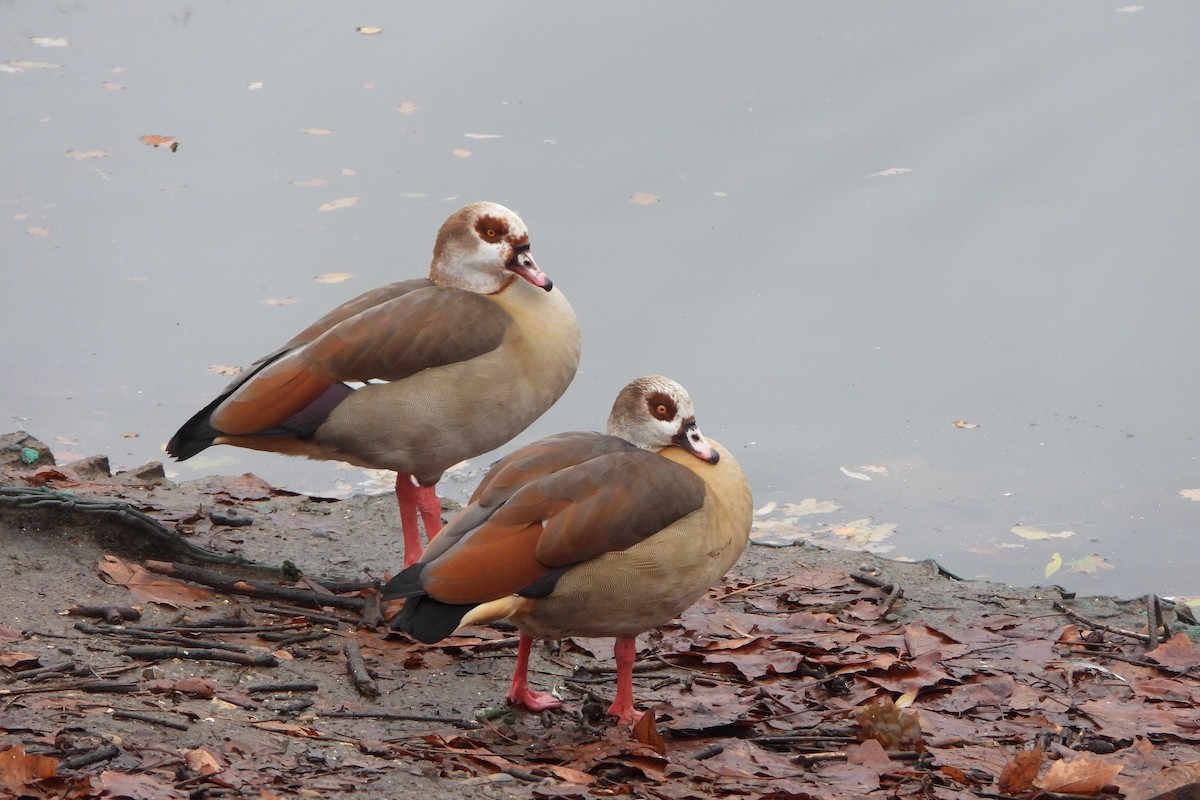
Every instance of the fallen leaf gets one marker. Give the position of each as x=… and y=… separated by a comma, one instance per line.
x=644, y=199
x=408, y=108
x=311, y=182
x=858, y=476
x=461, y=153
x=484, y=135
x=254, y=86
x=11, y=660
x=129, y=435
x=341, y=202
x=645, y=731
x=1080, y=776
x=962, y=423
x=346, y=172
x=334, y=277
x=161, y=141
x=889, y=172
x=1129, y=9
x=38, y=231
x=8, y=634
x=369, y=31
x=1089, y=564
x=281, y=301
x=1180, y=782
x=1035, y=534
x=153, y=588
x=317, y=131
x=141, y=786
x=1054, y=565
x=1178, y=652
x=1190, y=494
x=43, y=41
x=202, y=761
x=113, y=87
x=19, y=770
x=228, y=370
x=1020, y=773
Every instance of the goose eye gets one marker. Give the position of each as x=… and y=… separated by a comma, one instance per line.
x=491, y=233
x=660, y=410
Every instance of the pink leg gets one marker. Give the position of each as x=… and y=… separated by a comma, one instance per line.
x=622, y=706
x=406, y=497
x=431, y=510
x=519, y=694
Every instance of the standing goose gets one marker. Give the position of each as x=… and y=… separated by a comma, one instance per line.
x=586, y=534
x=414, y=376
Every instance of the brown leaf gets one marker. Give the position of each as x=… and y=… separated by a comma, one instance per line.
x=1181, y=782
x=11, y=660
x=644, y=198
x=8, y=634
x=868, y=754
x=152, y=588
x=1020, y=773
x=1178, y=652
x=161, y=141
x=19, y=769
x=341, y=202
x=144, y=786
x=894, y=728
x=203, y=762
x=1081, y=776
x=645, y=732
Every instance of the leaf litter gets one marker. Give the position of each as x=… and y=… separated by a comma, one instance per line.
x=788, y=679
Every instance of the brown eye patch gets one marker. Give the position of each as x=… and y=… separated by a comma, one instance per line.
x=661, y=406
x=491, y=229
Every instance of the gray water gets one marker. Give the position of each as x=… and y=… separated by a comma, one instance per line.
x=872, y=220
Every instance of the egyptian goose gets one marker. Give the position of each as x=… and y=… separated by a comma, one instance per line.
x=586, y=534
x=414, y=376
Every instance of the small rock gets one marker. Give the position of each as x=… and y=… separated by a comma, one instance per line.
x=92, y=468
x=13, y=446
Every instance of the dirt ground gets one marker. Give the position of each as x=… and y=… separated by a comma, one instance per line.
x=72, y=686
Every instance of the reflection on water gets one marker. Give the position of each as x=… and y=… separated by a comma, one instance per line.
x=851, y=229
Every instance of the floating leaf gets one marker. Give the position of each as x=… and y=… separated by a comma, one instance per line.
x=161, y=141
x=858, y=476
x=484, y=135
x=874, y=469
x=962, y=423
x=862, y=531
x=1032, y=533
x=281, y=301
x=334, y=277
x=38, y=231
x=228, y=370
x=369, y=31
x=1190, y=494
x=644, y=199
x=408, y=108
x=461, y=153
x=311, y=182
x=889, y=172
x=129, y=435
x=1129, y=9
x=1089, y=564
x=111, y=86
x=317, y=131
x=18, y=66
x=341, y=202
x=80, y=155
x=43, y=41
x=347, y=172
x=810, y=505
x=254, y=86
x=1054, y=565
